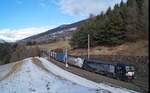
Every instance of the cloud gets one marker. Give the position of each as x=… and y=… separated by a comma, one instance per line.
x=85, y=7
x=13, y=35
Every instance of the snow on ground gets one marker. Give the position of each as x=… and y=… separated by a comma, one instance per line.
x=42, y=76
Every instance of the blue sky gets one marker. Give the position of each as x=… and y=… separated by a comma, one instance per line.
x=22, y=18
x=16, y=14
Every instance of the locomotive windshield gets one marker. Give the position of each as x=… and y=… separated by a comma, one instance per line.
x=130, y=68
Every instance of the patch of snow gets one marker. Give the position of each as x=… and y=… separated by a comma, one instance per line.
x=82, y=81
x=65, y=30
x=5, y=69
x=30, y=78
x=72, y=29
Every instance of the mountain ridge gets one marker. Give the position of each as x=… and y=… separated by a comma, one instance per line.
x=2, y=41
x=55, y=33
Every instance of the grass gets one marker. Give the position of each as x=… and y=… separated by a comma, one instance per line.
x=51, y=46
x=138, y=48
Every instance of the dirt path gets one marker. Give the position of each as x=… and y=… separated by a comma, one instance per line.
x=16, y=67
x=98, y=78
x=38, y=63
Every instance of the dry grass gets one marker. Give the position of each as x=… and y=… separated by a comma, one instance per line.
x=51, y=46
x=139, y=48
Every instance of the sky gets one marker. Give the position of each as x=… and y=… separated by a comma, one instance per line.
x=23, y=18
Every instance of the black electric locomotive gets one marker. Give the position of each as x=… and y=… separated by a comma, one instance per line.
x=120, y=71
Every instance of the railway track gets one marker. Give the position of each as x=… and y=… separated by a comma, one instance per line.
x=102, y=79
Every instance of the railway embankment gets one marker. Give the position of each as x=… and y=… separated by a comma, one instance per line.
x=137, y=85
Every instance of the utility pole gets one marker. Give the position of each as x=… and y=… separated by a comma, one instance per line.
x=66, y=55
x=88, y=46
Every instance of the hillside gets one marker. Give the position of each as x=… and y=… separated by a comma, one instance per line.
x=41, y=76
x=138, y=48
x=5, y=52
x=125, y=22
x=50, y=46
x=57, y=33
x=2, y=41
x=116, y=32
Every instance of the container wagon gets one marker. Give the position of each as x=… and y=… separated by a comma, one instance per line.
x=60, y=57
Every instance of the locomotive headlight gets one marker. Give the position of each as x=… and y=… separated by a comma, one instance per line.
x=129, y=73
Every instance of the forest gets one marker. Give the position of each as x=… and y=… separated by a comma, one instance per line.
x=126, y=22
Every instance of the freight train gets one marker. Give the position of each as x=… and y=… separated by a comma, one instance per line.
x=119, y=71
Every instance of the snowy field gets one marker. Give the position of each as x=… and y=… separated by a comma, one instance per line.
x=38, y=75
